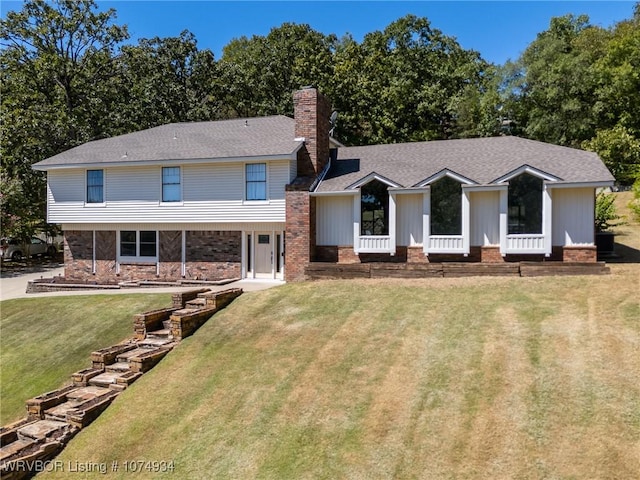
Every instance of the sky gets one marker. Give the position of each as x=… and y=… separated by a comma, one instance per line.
x=499, y=30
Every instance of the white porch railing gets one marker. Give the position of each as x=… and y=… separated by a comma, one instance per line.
x=525, y=243
x=374, y=244
x=445, y=244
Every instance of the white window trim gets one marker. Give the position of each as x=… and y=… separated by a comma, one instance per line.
x=547, y=222
x=137, y=258
x=104, y=189
x=266, y=201
x=465, y=233
x=177, y=202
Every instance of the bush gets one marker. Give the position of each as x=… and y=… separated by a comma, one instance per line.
x=634, y=204
x=606, y=216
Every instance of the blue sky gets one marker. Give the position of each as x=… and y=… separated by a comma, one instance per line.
x=499, y=30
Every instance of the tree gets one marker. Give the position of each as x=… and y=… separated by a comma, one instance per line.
x=56, y=73
x=259, y=74
x=619, y=150
x=167, y=80
x=405, y=83
x=555, y=87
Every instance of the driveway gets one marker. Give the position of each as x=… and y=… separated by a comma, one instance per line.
x=13, y=283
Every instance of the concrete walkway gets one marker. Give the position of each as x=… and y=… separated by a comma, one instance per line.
x=14, y=286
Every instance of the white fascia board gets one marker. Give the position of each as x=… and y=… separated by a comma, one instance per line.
x=485, y=188
x=374, y=176
x=446, y=173
x=338, y=193
x=530, y=170
x=181, y=161
x=405, y=191
x=579, y=184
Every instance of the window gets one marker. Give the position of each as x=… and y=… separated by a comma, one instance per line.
x=170, y=184
x=95, y=186
x=142, y=244
x=374, y=204
x=256, y=177
x=446, y=207
x=525, y=204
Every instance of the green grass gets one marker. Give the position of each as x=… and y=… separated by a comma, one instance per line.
x=438, y=378
x=44, y=340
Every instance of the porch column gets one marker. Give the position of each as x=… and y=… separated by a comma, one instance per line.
x=504, y=220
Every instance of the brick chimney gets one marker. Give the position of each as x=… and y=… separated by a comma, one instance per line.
x=311, y=113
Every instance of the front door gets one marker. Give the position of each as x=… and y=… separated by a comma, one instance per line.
x=264, y=255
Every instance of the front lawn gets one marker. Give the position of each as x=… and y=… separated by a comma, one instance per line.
x=44, y=340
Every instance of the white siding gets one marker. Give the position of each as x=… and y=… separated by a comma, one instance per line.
x=67, y=186
x=573, y=211
x=209, y=227
x=293, y=170
x=222, y=182
x=485, y=218
x=278, y=177
x=334, y=220
x=133, y=184
x=211, y=193
x=409, y=218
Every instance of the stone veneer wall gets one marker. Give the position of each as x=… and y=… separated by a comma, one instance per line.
x=209, y=256
x=78, y=254
x=213, y=255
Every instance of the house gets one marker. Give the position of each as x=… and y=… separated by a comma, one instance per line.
x=263, y=197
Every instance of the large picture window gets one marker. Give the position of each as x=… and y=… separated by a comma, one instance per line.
x=256, y=178
x=374, y=202
x=446, y=207
x=525, y=204
x=170, y=184
x=139, y=244
x=95, y=186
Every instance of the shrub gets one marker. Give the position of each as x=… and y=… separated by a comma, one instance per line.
x=606, y=216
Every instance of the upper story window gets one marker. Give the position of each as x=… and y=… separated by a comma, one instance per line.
x=95, y=186
x=374, y=204
x=141, y=244
x=256, y=178
x=446, y=207
x=170, y=184
x=525, y=204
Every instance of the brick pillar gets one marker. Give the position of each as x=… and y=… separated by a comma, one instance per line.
x=300, y=231
x=579, y=253
x=311, y=112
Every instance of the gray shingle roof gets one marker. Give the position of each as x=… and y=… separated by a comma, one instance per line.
x=260, y=136
x=482, y=160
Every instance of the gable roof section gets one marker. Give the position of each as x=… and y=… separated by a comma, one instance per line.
x=224, y=139
x=481, y=160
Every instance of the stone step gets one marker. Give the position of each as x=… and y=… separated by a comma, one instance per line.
x=41, y=429
x=14, y=447
x=164, y=333
x=117, y=367
x=136, y=352
x=107, y=378
x=87, y=393
x=152, y=342
x=167, y=324
x=197, y=302
x=59, y=412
